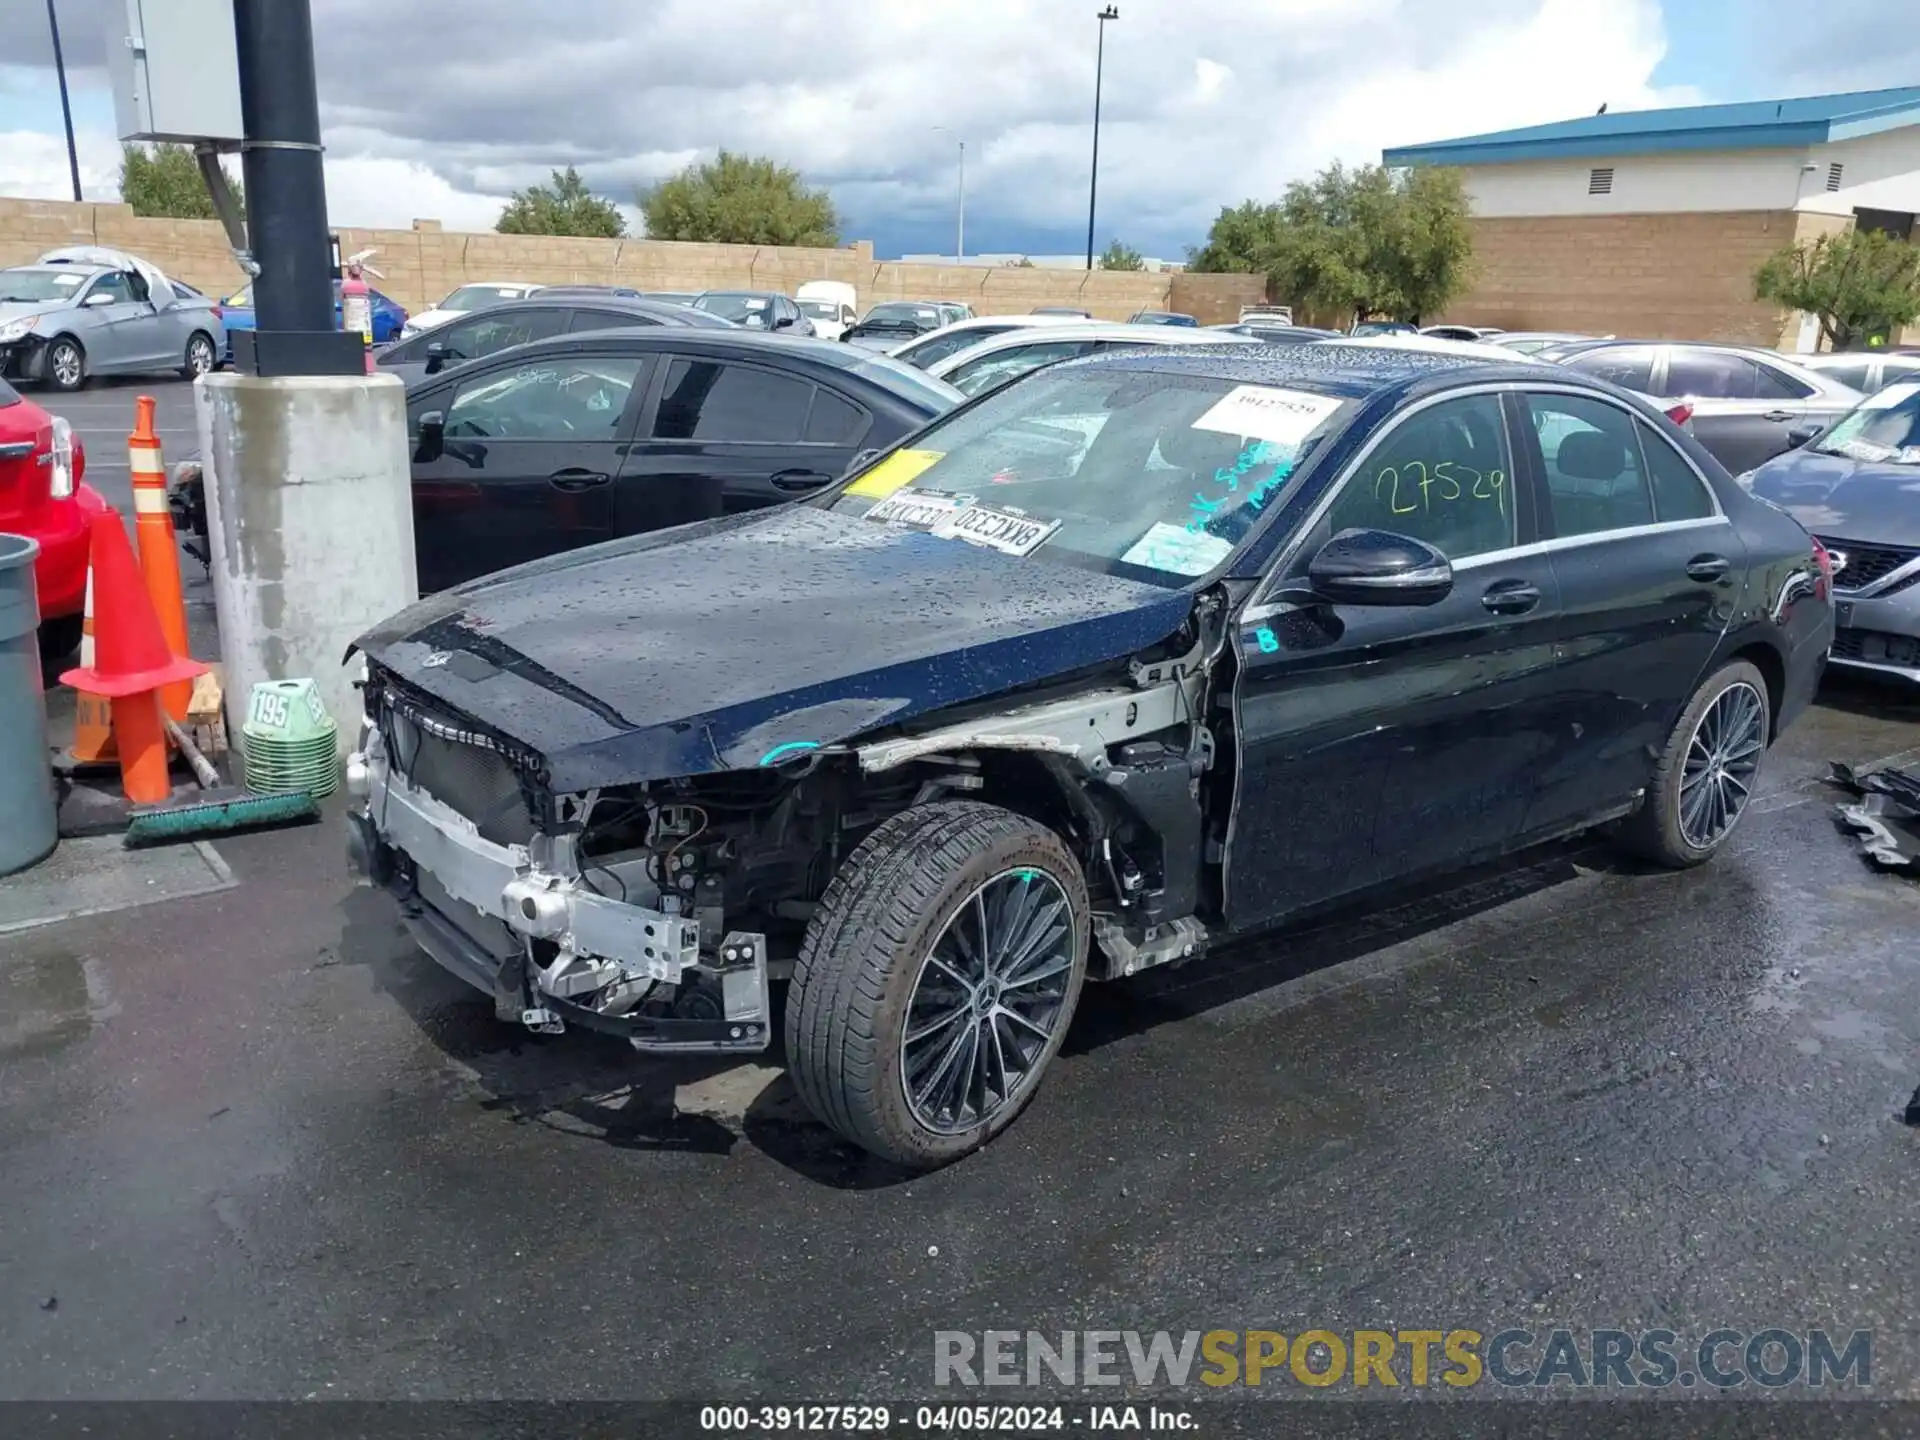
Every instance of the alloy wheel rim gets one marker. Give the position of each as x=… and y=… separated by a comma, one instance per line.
x=988, y=1001
x=1723, y=756
x=200, y=356
x=66, y=365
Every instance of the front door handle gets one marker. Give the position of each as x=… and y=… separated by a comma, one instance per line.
x=1511, y=597
x=576, y=480
x=1779, y=417
x=1708, y=569
x=795, y=481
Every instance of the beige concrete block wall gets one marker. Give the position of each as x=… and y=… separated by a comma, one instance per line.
x=424, y=263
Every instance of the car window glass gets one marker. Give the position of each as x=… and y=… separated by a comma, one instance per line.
x=607, y=320
x=1851, y=375
x=1629, y=366
x=989, y=372
x=574, y=397
x=1772, y=384
x=492, y=331
x=1710, y=375
x=835, y=420
x=739, y=403
x=939, y=347
x=1678, y=491
x=1596, y=479
x=114, y=285
x=1443, y=475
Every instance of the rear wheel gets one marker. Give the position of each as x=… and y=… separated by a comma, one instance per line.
x=200, y=356
x=1707, y=773
x=66, y=364
x=937, y=981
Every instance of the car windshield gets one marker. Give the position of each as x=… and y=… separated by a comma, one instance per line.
x=821, y=309
x=241, y=299
x=472, y=297
x=1156, y=475
x=916, y=387
x=750, y=310
x=1884, y=429
x=28, y=287
x=902, y=317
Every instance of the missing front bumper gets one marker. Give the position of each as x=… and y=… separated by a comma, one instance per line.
x=477, y=908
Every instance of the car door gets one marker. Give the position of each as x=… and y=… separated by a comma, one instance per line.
x=727, y=435
x=1649, y=572
x=1378, y=741
x=116, y=328
x=526, y=467
x=1742, y=409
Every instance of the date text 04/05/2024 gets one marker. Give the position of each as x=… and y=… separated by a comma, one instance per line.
x=942, y=1419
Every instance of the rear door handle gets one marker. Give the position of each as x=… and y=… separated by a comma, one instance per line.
x=575, y=480
x=1779, y=416
x=795, y=481
x=1511, y=597
x=1708, y=569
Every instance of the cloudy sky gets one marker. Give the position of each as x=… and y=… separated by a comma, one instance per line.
x=441, y=108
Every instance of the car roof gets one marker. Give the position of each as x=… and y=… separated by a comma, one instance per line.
x=1349, y=371
x=1092, y=330
x=604, y=300
x=731, y=339
x=65, y=267
x=766, y=294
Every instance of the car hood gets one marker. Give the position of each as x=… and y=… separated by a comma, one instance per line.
x=884, y=340
x=27, y=310
x=718, y=645
x=1843, y=498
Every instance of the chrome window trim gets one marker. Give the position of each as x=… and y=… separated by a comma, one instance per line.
x=1285, y=558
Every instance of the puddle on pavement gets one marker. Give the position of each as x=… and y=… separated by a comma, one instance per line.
x=48, y=1002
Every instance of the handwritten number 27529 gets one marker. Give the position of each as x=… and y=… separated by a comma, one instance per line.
x=1412, y=487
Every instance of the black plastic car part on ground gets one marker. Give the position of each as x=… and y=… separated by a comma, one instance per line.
x=1141, y=653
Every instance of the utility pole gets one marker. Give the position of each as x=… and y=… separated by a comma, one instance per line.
x=960, y=231
x=66, y=108
x=1112, y=12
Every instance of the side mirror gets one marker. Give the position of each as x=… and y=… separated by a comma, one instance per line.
x=783, y=322
x=1377, y=567
x=99, y=297
x=436, y=358
x=1801, y=434
x=432, y=440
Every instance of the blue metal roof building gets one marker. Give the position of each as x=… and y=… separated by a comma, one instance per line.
x=1750, y=125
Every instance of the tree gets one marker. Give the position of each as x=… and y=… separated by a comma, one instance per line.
x=1121, y=257
x=563, y=207
x=1019, y=262
x=165, y=180
x=740, y=200
x=1860, y=283
x=1368, y=241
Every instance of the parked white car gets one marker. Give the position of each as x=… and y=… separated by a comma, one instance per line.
x=830, y=304
x=465, y=299
x=929, y=349
x=1436, y=345
x=1862, y=370
x=1005, y=358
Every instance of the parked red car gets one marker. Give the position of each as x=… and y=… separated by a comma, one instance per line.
x=41, y=495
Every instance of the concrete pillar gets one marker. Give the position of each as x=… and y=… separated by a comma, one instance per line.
x=310, y=518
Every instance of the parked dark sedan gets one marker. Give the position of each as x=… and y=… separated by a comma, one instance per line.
x=894, y=323
x=1138, y=654
x=540, y=316
x=1857, y=486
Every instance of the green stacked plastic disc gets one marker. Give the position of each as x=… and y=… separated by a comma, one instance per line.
x=290, y=740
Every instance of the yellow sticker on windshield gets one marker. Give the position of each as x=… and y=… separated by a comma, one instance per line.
x=897, y=470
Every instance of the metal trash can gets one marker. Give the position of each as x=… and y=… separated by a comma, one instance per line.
x=29, y=817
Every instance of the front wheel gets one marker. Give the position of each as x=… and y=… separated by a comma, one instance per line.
x=200, y=357
x=1706, y=775
x=66, y=364
x=937, y=981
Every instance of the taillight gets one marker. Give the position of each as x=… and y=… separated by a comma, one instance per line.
x=219, y=313
x=1681, y=413
x=1825, y=562
x=62, y=482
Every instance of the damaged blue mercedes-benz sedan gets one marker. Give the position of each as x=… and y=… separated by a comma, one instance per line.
x=1139, y=653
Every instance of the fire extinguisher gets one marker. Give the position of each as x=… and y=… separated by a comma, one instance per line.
x=356, y=302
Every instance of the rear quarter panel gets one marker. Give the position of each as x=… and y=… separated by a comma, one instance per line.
x=1786, y=609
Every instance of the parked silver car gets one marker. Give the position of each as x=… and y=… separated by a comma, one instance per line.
x=90, y=311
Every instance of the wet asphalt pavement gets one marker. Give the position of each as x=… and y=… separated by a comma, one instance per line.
x=254, y=1145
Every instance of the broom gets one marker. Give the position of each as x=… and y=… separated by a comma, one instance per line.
x=221, y=810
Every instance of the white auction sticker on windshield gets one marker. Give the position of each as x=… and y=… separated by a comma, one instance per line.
x=68, y=279
x=1000, y=530
x=1284, y=417
x=1177, y=550
x=918, y=509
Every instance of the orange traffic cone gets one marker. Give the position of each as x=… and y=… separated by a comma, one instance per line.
x=131, y=663
x=92, y=716
x=159, y=549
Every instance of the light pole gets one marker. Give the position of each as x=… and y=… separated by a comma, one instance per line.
x=1112, y=12
x=960, y=225
x=66, y=109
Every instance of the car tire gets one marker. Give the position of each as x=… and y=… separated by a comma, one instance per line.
x=65, y=364
x=202, y=358
x=60, y=637
x=1704, y=778
x=901, y=914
